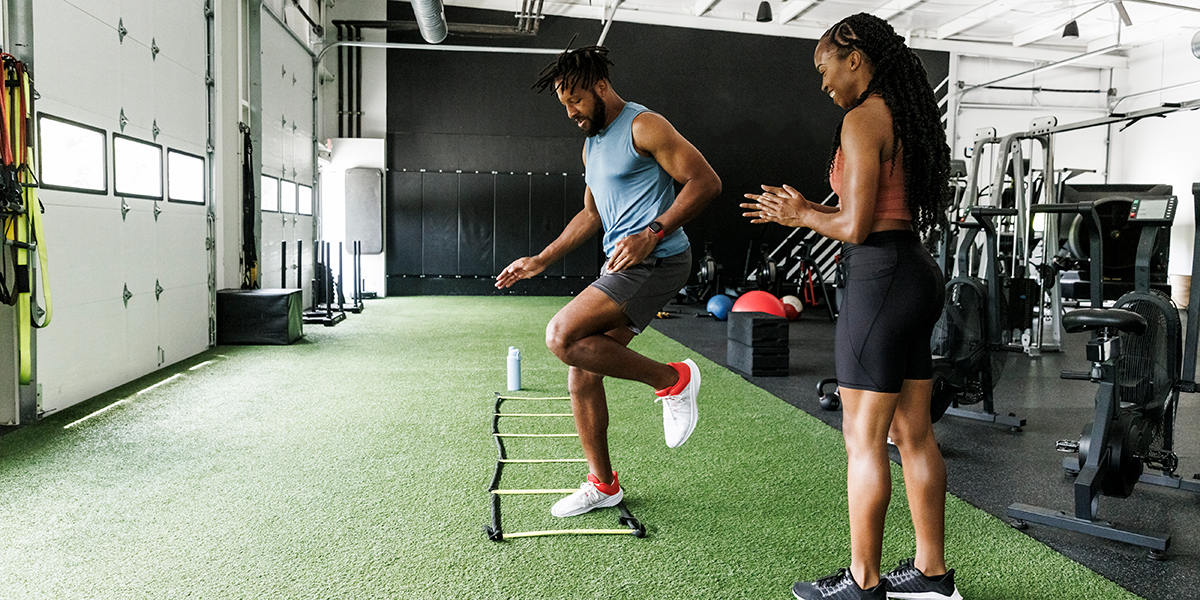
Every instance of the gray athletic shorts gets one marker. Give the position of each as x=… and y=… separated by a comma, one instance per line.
x=645, y=288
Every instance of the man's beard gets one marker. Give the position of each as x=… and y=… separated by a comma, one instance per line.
x=597, y=120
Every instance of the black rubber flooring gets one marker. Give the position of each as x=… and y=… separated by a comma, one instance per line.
x=991, y=466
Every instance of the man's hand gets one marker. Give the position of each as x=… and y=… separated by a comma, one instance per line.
x=522, y=268
x=632, y=250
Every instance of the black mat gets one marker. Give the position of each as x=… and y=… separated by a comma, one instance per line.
x=992, y=467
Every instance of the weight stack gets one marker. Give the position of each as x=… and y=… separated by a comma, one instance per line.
x=758, y=344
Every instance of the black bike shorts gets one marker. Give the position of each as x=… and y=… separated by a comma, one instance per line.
x=892, y=299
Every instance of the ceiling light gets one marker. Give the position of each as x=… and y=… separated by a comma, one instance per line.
x=764, y=12
x=1071, y=31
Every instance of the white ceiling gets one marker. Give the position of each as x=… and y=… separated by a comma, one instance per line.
x=1016, y=28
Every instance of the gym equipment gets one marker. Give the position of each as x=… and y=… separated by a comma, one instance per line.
x=1135, y=354
x=808, y=260
x=323, y=292
x=828, y=400
x=810, y=278
x=709, y=274
x=758, y=344
x=1112, y=203
x=495, y=531
x=356, y=300
x=765, y=275
x=21, y=212
x=966, y=338
x=718, y=306
x=759, y=301
x=796, y=305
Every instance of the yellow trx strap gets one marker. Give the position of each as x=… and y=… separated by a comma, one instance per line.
x=34, y=210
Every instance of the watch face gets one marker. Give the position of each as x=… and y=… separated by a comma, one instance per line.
x=655, y=226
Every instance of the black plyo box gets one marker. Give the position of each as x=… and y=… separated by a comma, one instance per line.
x=271, y=316
x=758, y=344
x=758, y=329
x=757, y=362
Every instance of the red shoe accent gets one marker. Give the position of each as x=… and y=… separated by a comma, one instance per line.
x=607, y=489
x=685, y=377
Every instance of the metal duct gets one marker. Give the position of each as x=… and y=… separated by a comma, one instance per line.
x=431, y=19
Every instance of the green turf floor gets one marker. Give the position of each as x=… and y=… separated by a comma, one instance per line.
x=354, y=464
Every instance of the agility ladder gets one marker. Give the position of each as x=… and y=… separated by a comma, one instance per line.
x=494, y=531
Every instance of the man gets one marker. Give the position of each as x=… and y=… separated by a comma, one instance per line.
x=633, y=157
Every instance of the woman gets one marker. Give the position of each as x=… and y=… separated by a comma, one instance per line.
x=889, y=167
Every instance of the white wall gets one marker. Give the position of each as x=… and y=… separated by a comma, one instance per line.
x=348, y=154
x=1011, y=111
x=1162, y=150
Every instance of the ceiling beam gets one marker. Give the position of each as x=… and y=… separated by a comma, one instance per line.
x=792, y=9
x=974, y=17
x=702, y=6
x=1053, y=25
x=894, y=7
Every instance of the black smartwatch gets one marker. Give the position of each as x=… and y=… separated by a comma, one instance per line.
x=657, y=229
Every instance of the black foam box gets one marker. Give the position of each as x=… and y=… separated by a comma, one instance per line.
x=758, y=362
x=758, y=329
x=259, y=316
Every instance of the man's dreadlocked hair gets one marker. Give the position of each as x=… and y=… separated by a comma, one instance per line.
x=584, y=67
x=900, y=78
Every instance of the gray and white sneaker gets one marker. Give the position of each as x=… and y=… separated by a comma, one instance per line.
x=839, y=586
x=906, y=582
x=588, y=497
x=680, y=410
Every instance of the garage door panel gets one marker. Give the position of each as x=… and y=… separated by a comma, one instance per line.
x=183, y=322
x=182, y=256
x=180, y=108
x=138, y=16
x=141, y=331
x=74, y=52
x=181, y=34
x=83, y=353
x=140, y=249
x=105, y=11
x=89, y=242
x=137, y=82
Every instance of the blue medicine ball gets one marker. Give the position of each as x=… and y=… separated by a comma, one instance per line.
x=719, y=305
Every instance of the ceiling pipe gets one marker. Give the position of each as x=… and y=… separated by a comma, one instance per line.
x=431, y=20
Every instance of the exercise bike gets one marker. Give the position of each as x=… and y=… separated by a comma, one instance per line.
x=966, y=340
x=1135, y=354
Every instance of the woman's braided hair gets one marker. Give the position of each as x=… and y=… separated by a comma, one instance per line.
x=917, y=129
x=583, y=67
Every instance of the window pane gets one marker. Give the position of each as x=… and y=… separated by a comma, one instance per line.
x=138, y=168
x=185, y=177
x=270, y=194
x=287, y=196
x=305, y=200
x=72, y=156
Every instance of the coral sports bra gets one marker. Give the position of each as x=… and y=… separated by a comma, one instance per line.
x=889, y=200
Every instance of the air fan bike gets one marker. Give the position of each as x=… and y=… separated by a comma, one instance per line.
x=1135, y=355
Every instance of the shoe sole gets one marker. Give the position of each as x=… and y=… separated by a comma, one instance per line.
x=923, y=596
x=613, y=500
x=694, y=385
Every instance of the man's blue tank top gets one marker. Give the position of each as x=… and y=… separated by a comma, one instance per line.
x=630, y=190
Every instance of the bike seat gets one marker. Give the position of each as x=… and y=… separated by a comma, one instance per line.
x=1089, y=319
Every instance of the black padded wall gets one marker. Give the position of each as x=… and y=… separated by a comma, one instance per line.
x=751, y=104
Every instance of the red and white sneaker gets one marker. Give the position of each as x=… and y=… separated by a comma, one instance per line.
x=592, y=494
x=679, y=404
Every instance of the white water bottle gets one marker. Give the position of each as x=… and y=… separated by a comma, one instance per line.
x=514, y=369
